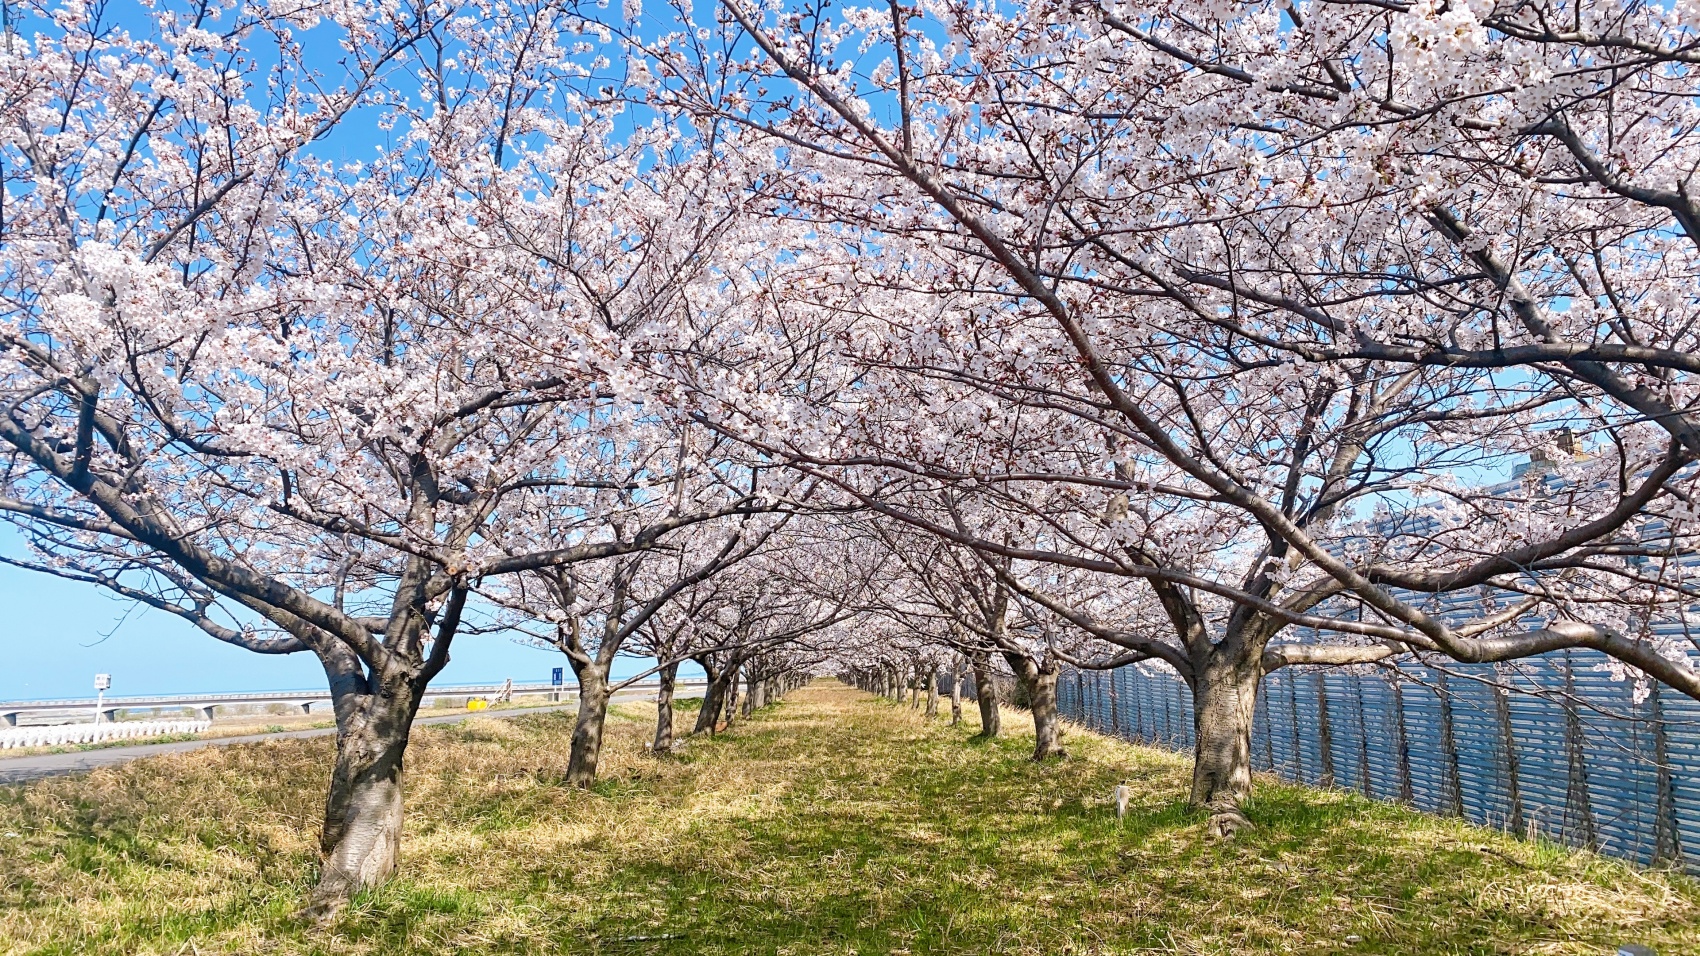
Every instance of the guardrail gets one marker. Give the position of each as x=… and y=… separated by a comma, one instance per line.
x=11, y=711
x=59, y=735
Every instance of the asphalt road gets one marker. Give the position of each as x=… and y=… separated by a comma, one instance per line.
x=25, y=769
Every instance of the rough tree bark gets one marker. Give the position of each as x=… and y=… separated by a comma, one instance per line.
x=932, y=679
x=955, y=691
x=350, y=694
x=714, y=697
x=986, y=695
x=374, y=703
x=664, y=710
x=732, y=697
x=1040, y=683
x=1224, y=695
x=360, y=840
x=586, y=747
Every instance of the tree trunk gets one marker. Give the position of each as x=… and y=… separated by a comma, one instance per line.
x=710, y=712
x=932, y=680
x=1040, y=683
x=986, y=695
x=664, y=711
x=361, y=836
x=1224, y=696
x=713, y=699
x=351, y=701
x=732, y=698
x=1047, y=725
x=586, y=749
x=955, y=692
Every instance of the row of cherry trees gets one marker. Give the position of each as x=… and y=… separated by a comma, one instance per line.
x=1247, y=307
x=984, y=338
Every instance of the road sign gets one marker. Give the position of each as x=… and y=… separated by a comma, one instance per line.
x=556, y=678
x=102, y=682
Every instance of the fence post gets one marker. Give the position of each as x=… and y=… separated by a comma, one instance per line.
x=1513, y=786
x=1454, y=783
x=1189, y=728
x=1183, y=717
x=1363, y=737
x=1667, y=841
x=1324, y=730
x=1268, y=730
x=1169, y=721
x=1115, y=716
x=1138, y=681
x=1578, y=805
x=1298, y=745
x=1401, y=741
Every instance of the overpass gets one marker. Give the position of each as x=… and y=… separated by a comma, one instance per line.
x=67, y=711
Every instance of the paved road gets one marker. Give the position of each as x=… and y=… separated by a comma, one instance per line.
x=25, y=769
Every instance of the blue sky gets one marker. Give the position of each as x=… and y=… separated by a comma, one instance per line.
x=56, y=635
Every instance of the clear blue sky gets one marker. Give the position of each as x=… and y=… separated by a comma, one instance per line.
x=56, y=635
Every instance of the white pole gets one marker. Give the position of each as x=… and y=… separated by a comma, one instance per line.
x=101, y=683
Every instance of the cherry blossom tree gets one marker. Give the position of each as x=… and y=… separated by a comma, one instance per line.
x=597, y=608
x=305, y=405
x=1089, y=334
x=1136, y=243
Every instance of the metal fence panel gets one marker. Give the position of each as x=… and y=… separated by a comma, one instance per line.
x=1553, y=745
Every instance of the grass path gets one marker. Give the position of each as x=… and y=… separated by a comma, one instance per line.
x=833, y=823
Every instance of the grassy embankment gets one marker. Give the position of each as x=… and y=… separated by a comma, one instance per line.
x=834, y=823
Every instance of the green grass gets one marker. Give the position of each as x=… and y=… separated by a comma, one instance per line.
x=832, y=823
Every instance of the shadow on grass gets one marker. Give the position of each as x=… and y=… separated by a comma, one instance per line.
x=835, y=823
x=928, y=854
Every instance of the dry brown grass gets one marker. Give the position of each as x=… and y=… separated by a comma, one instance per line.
x=834, y=823
x=243, y=725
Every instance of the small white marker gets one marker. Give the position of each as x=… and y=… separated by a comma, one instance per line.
x=1121, y=800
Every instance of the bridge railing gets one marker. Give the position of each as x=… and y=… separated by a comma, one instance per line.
x=83, y=710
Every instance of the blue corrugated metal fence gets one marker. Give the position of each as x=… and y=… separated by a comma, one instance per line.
x=1550, y=745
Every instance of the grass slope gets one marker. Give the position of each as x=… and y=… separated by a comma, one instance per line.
x=833, y=823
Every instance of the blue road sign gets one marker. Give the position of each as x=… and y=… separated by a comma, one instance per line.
x=555, y=677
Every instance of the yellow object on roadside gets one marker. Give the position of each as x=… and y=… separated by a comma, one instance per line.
x=477, y=703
